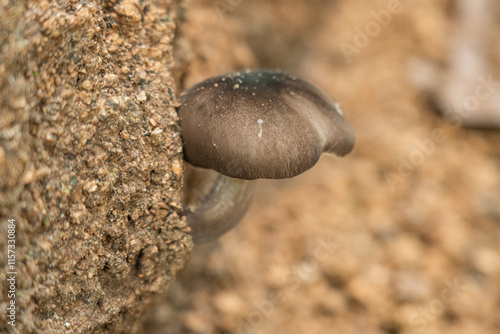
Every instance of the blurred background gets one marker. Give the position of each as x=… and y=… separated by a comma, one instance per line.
x=400, y=236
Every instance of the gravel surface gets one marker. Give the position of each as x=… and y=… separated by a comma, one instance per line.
x=90, y=163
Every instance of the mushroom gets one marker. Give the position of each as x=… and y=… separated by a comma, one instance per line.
x=249, y=125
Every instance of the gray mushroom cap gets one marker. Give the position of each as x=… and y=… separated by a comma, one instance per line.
x=260, y=124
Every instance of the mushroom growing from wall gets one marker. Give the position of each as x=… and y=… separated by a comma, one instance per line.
x=249, y=125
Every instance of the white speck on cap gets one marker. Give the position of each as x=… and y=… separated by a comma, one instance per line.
x=338, y=108
x=260, y=121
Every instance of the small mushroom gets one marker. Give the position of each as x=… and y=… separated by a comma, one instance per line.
x=250, y=125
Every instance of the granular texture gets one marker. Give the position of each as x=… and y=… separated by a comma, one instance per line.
x=90, y=162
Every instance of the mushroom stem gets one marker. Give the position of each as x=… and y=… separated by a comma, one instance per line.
x=220, y=209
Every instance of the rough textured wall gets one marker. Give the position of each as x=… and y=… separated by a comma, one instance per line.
x=90, y=162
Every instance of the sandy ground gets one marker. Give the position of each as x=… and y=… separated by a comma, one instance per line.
x=401, y=236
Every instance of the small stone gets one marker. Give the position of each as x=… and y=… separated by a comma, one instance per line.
x=412, y=286
x=87, y=84
x=110, y=79
x=78, y=213
x=177, y=167
x=66, y=93
x=156, y=136
x=155, y=53
x=18, y=102
x=487, y=261
x=129, y=9
x=28, y=177
x=142, y=96
x=50, y=136
x=124, y=134
x=44, y=244
x=85, y=97
x=90, y=186
x=229, y=303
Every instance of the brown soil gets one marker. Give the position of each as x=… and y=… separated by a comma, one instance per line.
x=90, y=163
x=401, y=236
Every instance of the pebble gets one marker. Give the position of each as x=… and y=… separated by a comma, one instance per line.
x=412, y=286
x=487, y=261
x=142, y=96
x=229, y=303
x=129, y=9
x=124, y=134
x=18, y=102
x=87, y=84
